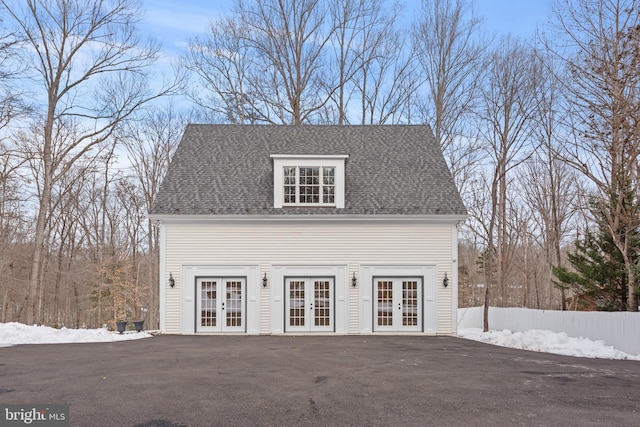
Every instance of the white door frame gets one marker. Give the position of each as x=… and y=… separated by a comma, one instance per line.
x=277, y=295
x=429, y=293
x=307, y=309
x=188, y=301
x=393, y=312
x=222, y=305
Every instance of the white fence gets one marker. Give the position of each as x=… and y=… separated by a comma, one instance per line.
x=618, y=329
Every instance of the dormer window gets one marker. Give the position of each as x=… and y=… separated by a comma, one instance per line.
x=303, y=180
x=309, y=185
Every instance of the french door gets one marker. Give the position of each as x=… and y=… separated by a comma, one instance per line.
x=220, y=304
x=309, y=304
x=397, y=304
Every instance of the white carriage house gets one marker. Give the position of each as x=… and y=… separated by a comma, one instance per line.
x=308, y=229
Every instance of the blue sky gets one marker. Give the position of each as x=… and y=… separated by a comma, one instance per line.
x=518, y=17
x=173, y=22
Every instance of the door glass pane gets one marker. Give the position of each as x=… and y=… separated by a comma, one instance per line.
x=208, y=304
x=234, y=303
x=296, y=303
x=322, y=303
x=385, y=303
x=410, y=303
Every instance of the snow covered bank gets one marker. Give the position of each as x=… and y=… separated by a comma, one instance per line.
x=547, y=342
x=534, y=340
x=619, y=329
x=17, y=333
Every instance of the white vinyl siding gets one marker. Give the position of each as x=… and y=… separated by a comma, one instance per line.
x=265, y=312
x=350, y=243
x=354, y=312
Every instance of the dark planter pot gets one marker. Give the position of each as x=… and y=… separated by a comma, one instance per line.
x=138, y=325
x=122, y=326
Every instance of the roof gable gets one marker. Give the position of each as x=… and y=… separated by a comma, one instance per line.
x=228, y=170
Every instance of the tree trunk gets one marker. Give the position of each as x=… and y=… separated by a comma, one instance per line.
x=632, y=299
x=38, y=252
x=525, y=270
x=76, y=297
x=485, y=325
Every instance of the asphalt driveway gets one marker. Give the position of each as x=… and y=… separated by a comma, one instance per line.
x=325, y=380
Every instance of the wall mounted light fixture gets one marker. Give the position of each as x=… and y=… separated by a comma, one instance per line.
x=445, y=281
x=264, y=280
x=354, y=280
x=172, y=281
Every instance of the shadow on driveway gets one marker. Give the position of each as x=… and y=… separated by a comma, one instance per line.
x=174, y=381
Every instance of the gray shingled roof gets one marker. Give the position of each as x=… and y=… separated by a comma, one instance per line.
x=227, y=170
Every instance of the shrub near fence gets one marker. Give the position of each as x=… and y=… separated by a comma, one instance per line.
x=618, y=329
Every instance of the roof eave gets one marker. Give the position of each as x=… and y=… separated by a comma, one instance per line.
x=449, y=218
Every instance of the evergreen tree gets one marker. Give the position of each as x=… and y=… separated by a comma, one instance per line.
x=598, y=272
x=598, y=269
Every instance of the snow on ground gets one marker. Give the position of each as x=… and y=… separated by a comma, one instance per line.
x=17, y=333
x=547, y=342
x=534, y=340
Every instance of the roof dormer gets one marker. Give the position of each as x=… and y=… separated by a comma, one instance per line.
x=308, y=180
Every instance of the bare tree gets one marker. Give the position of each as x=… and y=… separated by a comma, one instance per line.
x=98, y=220
x=67, y=241
x=222, y=60
x=13, y=229
x=307, y=61
x=550, y=187
x=361, y=29
x=375, y=77
x=92, y=71
x=11, y=102
x=601, y=40
x=347, y=17
x=151, y=141
x=132, y=219
x=508, y=102
x=387, y=80
x=451, y=53
x=289, y=40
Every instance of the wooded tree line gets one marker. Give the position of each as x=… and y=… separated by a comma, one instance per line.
x=541, y=135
